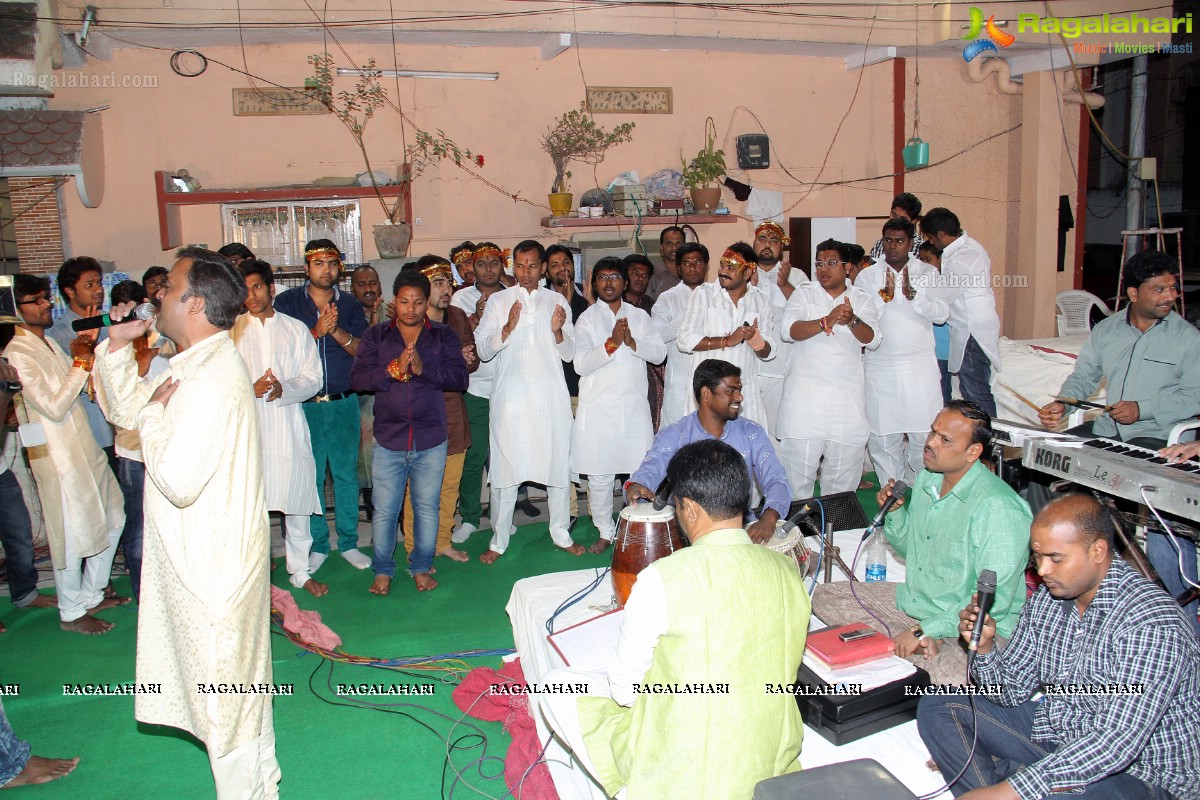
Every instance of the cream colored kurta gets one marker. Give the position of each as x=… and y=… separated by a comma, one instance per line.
x=285, y=346
x=204, y=619
x=78, y=491
x=529, y=425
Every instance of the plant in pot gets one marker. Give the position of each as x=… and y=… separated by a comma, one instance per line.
x=575, y=136
x=355, y=109
x=704, y=170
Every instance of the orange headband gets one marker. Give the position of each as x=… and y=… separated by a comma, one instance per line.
x=488, y=249
x=439, y=270
x=463, y=255
x=731, y=259
x=772, y=227
x=319, y=251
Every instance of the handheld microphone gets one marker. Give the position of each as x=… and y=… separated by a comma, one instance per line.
x=142, y=312
x=897, y=493
x=986, y=587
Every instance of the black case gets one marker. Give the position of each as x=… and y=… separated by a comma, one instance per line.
x=847, y=718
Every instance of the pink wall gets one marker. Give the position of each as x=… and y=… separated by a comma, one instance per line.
x=187, y=123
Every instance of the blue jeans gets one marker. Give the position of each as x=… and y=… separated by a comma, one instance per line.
x=14, y=752
x=975, y=377
x=947, y=390
x=391, y=471
x=1165, y=560
x=16, y=534
x=132, y=476
x=945, y=724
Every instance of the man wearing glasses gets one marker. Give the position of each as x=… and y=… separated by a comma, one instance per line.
x=823, y=413
x=81, y=500
x=730, y=319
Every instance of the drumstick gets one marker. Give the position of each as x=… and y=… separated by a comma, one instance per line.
x=1020, y=397
x=1071, y=401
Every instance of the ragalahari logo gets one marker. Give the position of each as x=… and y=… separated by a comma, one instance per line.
x=995, y=36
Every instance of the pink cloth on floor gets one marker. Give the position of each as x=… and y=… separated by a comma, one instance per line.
x=305, y=624
x=473, y=696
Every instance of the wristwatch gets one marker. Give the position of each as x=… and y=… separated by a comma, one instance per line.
x=918, y=632
x=854, y=322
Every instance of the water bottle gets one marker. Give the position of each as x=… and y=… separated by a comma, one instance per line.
x=876, y=557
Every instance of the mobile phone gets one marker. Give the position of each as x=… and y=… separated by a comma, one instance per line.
x=854, y=636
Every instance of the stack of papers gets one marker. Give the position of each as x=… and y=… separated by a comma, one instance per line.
x=871, y=675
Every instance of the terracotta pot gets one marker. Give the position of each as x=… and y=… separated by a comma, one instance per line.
x=705, y=201
x=560, y=203
x=392, y=240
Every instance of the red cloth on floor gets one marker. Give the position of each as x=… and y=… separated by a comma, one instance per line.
x=473, y=696
x=305, y=624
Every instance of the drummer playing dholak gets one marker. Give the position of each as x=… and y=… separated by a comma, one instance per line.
x=718, y=388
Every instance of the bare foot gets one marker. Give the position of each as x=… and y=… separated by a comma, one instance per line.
x=490, y=557
x=109, y=591
x=425, y=583
x=316, y=589
x=454, y=554
x=109, y=601
x=382, y=585
x=599, y=546
x=43, y=770
x=577, y=549
x=44, y=601
x=932, y=766
x=87, y=625
x=2, y=628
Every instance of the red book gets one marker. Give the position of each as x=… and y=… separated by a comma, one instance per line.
x=849, y=645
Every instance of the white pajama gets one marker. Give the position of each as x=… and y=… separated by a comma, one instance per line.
x=893, y=458
x=600, y=504
x=249, y=772
x=80, y=584
x=297, y=543
x=504, y=504
x=840, y=472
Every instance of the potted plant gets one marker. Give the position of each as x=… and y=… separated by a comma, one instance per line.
x=575, y=136
x=354, y=109
x=702, y=172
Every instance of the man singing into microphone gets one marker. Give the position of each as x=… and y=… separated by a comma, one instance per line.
x=961, y=520
x=1119, y=667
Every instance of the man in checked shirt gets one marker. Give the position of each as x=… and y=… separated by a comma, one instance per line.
x=1120, y=668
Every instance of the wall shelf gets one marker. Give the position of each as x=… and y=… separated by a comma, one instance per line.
x=652, y=221
x=169, y=203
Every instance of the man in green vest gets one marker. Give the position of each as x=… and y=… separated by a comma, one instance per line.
x=696, y=703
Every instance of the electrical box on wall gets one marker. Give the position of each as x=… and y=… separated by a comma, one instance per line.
x=753, y=151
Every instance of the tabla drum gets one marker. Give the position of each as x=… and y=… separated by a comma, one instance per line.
x=790, y=544
x=644, y=535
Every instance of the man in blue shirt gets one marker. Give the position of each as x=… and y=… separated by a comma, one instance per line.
x=336, y=321
x=718, y=388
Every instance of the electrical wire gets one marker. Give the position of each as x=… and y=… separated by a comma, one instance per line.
x=575, y=598
x=1170, y=533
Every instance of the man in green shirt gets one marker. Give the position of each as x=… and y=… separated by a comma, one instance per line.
x=960, y=520
x=696, y=701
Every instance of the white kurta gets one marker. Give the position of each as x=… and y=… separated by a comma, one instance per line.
x=529, y=424
x=966, y=284
x=903, y=381
x=667, y=314
x=75, y=485
x=204, y=617
x=823, y=393
x=285, y=346
x=613, y=429
x=768, y=282
x=710, y=312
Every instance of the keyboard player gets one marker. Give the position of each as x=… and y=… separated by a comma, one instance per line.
x=1150, y=358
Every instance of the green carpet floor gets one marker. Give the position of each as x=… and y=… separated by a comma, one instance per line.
x=324, y=750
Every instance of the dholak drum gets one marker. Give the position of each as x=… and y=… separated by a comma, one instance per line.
x=644, y=535
x=790, y=544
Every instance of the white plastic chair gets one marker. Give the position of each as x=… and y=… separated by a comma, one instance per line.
x=1075, y=311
